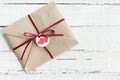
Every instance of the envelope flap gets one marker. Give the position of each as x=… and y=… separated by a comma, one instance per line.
x=19, y=27
x=42, y=18
x=41, y=56
x=46, y=16
x=14, y=41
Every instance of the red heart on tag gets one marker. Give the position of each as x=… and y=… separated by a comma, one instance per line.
x=43, y=40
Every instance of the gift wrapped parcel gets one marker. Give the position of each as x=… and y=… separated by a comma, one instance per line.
x=39, y=36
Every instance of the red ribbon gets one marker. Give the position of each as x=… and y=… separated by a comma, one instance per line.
x=32, y=36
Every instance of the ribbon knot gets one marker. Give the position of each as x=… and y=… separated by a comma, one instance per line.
x=32, y=36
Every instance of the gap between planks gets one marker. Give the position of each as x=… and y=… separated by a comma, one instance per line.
x=72, y=26
x=101, y=4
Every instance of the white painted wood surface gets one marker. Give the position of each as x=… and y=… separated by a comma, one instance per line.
x=96, y=24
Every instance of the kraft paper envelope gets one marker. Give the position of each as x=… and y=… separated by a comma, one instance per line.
x=35, y=55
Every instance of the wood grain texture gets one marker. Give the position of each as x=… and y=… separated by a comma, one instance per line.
x=61, y=1
x=82, y=14
x=95, y=25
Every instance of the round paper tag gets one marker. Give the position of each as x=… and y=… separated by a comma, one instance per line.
x=42, y=41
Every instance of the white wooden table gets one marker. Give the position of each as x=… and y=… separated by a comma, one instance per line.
x=96, y=24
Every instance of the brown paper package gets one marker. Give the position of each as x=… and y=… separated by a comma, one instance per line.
x=35, y=55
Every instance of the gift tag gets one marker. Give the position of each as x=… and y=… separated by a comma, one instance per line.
x=42, y=41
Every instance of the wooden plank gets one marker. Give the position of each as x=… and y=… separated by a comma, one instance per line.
x=95, y=38
x=82, y=15
x=86, y=63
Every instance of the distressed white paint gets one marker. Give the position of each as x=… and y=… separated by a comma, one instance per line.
x=74, y=14
x=95, y=25
x=60, y=1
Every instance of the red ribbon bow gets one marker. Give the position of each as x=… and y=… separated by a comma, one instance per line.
x=32, y=36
